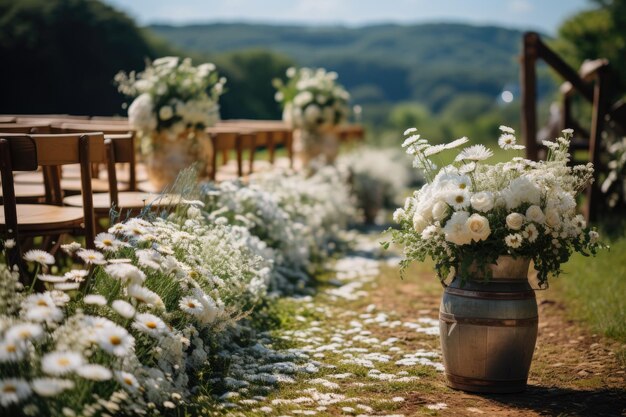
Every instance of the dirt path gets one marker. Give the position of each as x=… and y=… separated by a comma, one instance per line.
x=367, y=344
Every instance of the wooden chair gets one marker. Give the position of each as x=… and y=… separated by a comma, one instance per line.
x=120, y=149
x=7, y=119
x=271, y=134
x=227, y=138
x=70, y=177
x=27, y=153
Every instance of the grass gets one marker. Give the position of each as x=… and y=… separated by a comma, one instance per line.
x=595, y=291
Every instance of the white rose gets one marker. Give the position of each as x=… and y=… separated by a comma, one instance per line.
x=534, y=214
x=456, y=230
x=419, y=223
x=514, y=221
x=482, y=201
x=478, y=227
x=552, y=218
x=166, y=113
x=440, y=210
x=141, y=113
x=312, y=114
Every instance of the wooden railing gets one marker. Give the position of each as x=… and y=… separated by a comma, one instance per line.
x=592, y=83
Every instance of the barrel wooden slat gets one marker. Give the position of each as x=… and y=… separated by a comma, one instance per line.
x=488, y=333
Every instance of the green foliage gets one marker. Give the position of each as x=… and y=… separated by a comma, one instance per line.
x=250, y=91
x=61, y=55
x=597, y=33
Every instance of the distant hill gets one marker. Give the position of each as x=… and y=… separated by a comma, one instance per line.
x=430, y=63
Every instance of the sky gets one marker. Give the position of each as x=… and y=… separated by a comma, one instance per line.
x=542, y=15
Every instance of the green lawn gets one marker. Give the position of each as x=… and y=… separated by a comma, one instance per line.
x=595, y=291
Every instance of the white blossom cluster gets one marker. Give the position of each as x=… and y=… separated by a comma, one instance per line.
x=312, y=99
x=152, y=300
x=172, y=96
x=378, y=177
x=470, y=210
x=300, y=219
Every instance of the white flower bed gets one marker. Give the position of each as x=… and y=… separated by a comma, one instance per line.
x=137, y=329
x=299, y=218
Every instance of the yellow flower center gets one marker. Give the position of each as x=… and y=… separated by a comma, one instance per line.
x=462, y=186
x=107, y=242
x=42, y=303
x=459, y=199
x=151, y=325
x=63, y=361
x=11, y=348
x=9, y=389
x=191, y=304
x=128, y=381
x=115, y=340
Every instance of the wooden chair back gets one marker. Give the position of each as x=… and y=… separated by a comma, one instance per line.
x=119, y=149
x=8, y=119
x=106, y=128
x=25, y=128
x=27, y=153
x=227, y=138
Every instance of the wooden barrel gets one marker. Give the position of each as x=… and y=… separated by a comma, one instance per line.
x=488, y=329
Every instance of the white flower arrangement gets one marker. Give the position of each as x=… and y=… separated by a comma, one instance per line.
x=312, y=99
x=472, y=212
x=172, y=96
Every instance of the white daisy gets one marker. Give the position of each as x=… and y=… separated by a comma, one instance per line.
x=123, y=308
x=144, y=295
x=507, y=141
x=50, y=278
x=456, y=143
x=149, y=258
x=40, y=256
x=44, y=314
x=514, y=240
x=507, y=129
x=76, y=275
x=474, y=153
x=9, y=243
x=24, y=331
x=50, y=387
x=107, y=242
x=12, y=350
x=67, y=286
x=120, y=261
x=38, y=300
x=127, y=380
x=190, y=305
x=117, y=228
x=94, y=372
x=458, y=199
x=530, y=233
x=434, y=150
x=95, y=299
x=126, y=273
x=90, y=256
x=70, y=248
x=59, y=298
x=13, y=391
x=150, y=324
x=115, y=340
x=61, y=363
x=409, y=131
